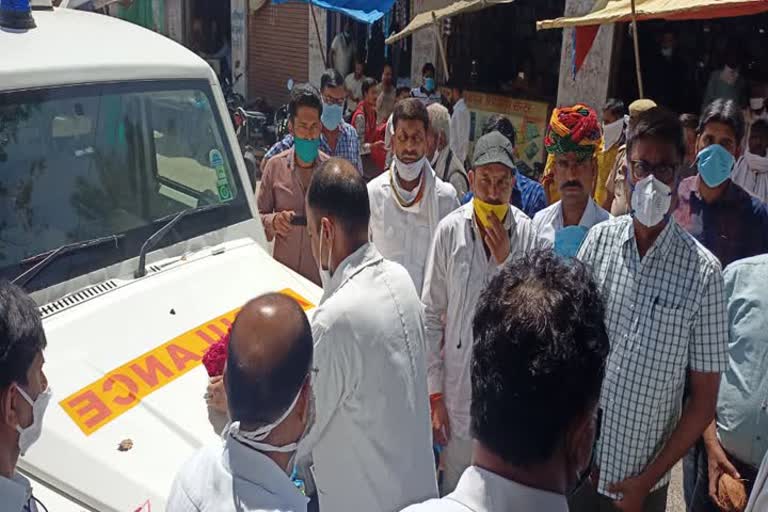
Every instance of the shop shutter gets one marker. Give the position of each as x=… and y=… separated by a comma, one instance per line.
x=278, y=49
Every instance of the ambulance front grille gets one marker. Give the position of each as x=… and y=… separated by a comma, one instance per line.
x=76, y=298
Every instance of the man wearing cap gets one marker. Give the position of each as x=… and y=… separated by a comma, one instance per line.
x=408, y=201
x=617, y=185
x=564, y=224
x=469, y=247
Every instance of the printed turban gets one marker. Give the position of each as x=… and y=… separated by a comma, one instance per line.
x=573, y=130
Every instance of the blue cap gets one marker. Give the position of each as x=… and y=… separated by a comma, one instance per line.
x=16, y=14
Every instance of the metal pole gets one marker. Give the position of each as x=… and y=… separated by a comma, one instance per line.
x=440, y=45
x=637, y=52
x=317, y=32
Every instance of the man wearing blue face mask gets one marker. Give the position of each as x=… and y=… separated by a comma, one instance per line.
x=427, y=93
x=285, y=180
x=24, y=393
x=716, y=211
x=666, y=321
x=337, y=137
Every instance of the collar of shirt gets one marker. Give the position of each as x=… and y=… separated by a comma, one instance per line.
x=589, y=217
x=662, y=244
x=481, y=490
x=15, y=492
x=321, y=157
x=363, y=257
x=460, y=105
x=253, y=466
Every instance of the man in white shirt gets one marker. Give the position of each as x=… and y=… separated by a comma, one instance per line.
x=564, y=224
x=470, y=246
x=371, y=443
x=353, y=83
x=408, y=201
x=538, y=364
x=460, y=123
x=448, y=167
x=268, y=379
x=24, y=393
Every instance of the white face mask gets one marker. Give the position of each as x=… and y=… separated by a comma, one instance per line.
x=409, y=172
x=254, y=438
x=650, y=201
x=612, y=133
x=29, y=435
x=325, y=274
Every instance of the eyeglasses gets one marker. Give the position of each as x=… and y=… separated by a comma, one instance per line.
x=662, y=172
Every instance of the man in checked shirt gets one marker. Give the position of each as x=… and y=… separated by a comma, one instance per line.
x=666, y=318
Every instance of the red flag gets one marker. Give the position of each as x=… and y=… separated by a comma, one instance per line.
x=583, y=38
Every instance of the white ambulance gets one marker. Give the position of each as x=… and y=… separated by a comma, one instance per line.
x=127, y=214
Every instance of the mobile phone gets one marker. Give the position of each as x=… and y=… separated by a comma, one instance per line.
x=298, y=220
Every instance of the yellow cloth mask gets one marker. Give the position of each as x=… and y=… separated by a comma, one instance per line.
x=484, y=210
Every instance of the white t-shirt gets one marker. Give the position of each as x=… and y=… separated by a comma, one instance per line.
x=342, y=51
x=355, y=88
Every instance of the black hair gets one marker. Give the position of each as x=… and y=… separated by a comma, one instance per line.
x=338, y=190
x=761, y=125
x=304, y=95
x=428, y=67
x=690, y=121
x=660, y=124
x=400, y=90
x=368, y=84
x=331, y=78
x=410, y=109
x=21, y=334
x=455, y=84
x=540, y=345
x=616, y=107
x=723, y=111
x=502, y=124
x=258, y=394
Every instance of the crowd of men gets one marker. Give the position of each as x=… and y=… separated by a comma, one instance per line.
x=509, y=345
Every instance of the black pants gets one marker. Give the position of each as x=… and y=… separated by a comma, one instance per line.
x=696, y=479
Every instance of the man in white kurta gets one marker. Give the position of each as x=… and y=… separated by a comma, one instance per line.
x=409, y=200
x=371, y=442
x=462, y=261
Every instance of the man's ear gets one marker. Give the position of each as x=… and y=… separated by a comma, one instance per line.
x=303, y=404
x=8, y=414
x=471, y=176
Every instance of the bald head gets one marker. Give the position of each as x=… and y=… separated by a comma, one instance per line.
x=338, y=190
x=270, y=353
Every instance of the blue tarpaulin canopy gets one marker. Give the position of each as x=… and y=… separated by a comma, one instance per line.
x=366, y=11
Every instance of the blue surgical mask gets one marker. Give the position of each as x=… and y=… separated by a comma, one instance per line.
x=568, y=240
x=715, y=164
x=429, y=84
x=332, y=115
x=306, y=149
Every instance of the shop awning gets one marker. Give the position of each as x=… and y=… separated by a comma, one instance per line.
x=618, y=11
x=426, y=19
x=366, y=11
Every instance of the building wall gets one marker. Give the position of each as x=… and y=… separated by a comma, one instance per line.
x=278, y=49
x=593, y=79
x=316, y=62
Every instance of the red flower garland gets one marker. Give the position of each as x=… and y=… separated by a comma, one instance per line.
x=215, y=357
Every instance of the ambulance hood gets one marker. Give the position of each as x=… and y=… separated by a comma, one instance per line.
x=125, y=369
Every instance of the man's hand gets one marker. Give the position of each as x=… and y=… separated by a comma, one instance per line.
x=216, y=395
x=380, y=145
x=281, y=222
x=441, y=429
x=718, y=464
x=497, y=239
x=634, y=491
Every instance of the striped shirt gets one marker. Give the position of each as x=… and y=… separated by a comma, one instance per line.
x=347, y=146
x=665, y=313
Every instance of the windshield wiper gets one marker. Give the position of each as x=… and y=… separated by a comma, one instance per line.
x=49, y=257
x=170, y=221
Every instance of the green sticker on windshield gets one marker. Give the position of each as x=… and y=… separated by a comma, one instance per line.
x=222, y=181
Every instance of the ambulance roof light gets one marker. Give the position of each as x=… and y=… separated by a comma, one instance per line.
x=16, y=14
